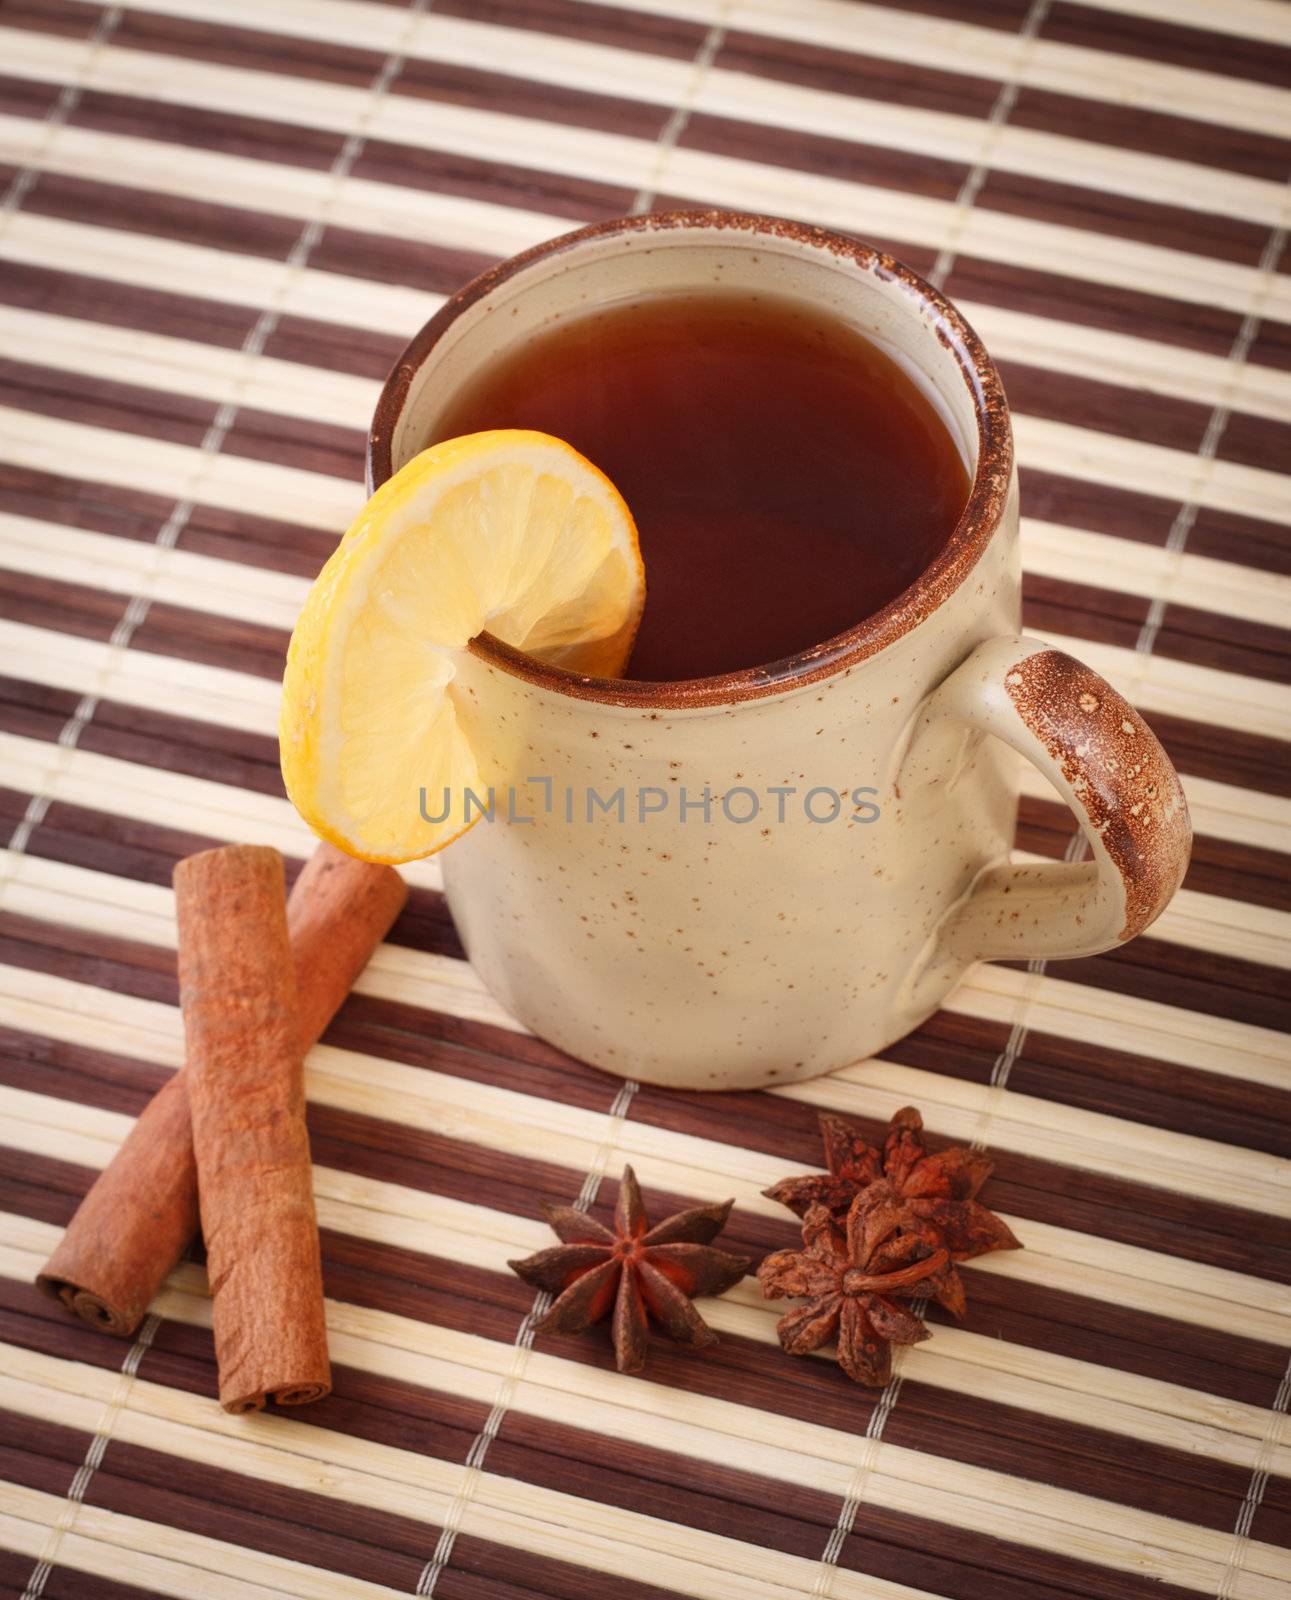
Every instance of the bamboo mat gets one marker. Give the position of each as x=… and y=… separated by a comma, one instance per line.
x=221, y=219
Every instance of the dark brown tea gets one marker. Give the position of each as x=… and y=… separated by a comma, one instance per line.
x=787, y=478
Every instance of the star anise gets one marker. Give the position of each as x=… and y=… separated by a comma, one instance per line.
x=635, y=1270
x=936, y=1193
x=849, y=1282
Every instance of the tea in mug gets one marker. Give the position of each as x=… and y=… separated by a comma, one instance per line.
x=787, y=477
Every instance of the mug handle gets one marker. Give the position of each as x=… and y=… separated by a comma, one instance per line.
x=1107, y=764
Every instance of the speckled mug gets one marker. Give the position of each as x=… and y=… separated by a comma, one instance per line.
x=728, y=954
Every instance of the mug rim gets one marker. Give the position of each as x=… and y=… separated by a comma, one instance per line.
x=981, y=517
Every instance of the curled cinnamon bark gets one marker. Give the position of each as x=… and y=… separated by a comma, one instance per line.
x=246, y=1097
x=135, y=1222
x=139, y=1216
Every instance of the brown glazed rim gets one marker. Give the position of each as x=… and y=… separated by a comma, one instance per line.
x=978, y=521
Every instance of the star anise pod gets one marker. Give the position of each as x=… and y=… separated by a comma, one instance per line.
x=937, y=1193
x=848, y=1281
x=635, y=1270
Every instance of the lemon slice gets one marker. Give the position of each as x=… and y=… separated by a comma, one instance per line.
x=509, y=532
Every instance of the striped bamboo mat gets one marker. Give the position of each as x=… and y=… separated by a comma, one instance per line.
x=221, y=219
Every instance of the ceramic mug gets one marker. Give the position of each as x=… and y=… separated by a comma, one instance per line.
x=717, y=947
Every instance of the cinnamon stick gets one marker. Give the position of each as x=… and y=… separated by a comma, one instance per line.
x=135, y=1222
x=139, y=1216
x=246, y=1099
